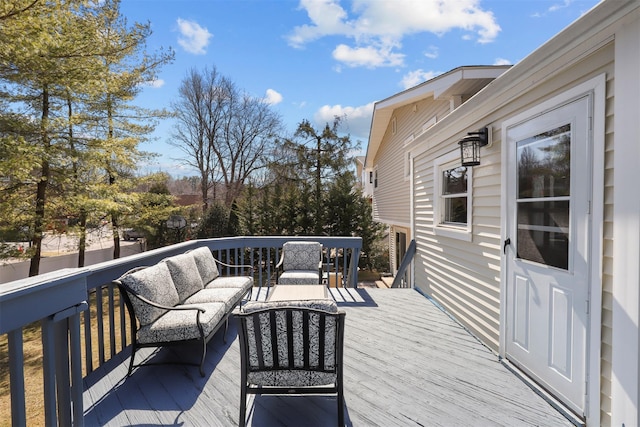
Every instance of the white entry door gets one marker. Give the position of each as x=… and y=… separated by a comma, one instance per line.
x=547, y=249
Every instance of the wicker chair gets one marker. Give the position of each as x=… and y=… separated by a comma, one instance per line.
x=291, y=347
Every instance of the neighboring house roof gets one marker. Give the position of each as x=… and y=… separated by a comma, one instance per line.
x=459, y=81
x=188, y=199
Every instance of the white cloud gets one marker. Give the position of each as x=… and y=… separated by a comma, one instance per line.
x=193, y=38
x=157, y=83
x=553, y=8
x=432, y=52
x=368, y=56
x=502, y=61
x=558, y=6
x=378, y=27
x=414, y=78
x=357, y=119
x=272, y=97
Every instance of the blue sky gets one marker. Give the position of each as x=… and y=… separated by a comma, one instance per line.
x=314, y=59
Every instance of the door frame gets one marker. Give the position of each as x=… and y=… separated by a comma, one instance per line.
x=595, y=88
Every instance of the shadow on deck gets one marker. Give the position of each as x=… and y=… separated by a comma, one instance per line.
x=406, y=363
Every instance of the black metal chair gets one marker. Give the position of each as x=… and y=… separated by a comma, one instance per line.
x=291, y=347
x=300, y=264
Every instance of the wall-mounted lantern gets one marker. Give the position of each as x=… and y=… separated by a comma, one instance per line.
x=470, y=146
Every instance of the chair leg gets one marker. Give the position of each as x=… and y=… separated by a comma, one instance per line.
x=133, y=355
x=204, y=354
x=340, y=398
x=243, y=407
x=224, y=334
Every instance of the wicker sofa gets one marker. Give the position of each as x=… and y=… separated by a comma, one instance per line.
x=182, y=298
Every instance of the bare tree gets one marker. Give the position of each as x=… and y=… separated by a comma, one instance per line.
x=225, y=134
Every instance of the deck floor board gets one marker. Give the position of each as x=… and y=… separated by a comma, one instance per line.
x=406, y=363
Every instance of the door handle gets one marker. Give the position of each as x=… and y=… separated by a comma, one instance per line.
x=506, y=243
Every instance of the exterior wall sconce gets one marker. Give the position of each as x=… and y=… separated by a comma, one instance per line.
x=470, y=146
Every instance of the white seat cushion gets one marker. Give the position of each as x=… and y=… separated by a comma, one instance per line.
x=299, y=277
x=177, y=325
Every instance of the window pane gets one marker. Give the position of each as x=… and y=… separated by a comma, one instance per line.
x=454, y=181
x=543, y=232
x=455, y=210
x=544, y=163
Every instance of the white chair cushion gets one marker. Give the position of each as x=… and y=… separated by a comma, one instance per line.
x=185, y=275
x=155, y=284
x=299, y=277
x=206, y=263
x=301, y=255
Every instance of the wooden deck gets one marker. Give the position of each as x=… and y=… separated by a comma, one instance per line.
x=406, y=364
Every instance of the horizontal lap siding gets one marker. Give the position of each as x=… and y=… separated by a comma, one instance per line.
x=392, y=196
x=465, y=276
x=462, y=276
x=607, y=261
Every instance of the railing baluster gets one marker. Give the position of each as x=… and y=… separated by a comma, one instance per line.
x=88, y=348
x=100, y=324
x=112, y=321
x=49, y=370
x=16, y=372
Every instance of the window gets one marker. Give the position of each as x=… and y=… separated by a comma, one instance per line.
x=394, y=126
x=454, y=196
x=452, y=191
x=407, y=165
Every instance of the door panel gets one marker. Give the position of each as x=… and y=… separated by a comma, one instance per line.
x=521, y=312
x=547, y=262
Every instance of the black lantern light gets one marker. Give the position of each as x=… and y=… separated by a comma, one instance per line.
x=470, y=146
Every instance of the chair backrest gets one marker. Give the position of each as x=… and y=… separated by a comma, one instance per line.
x=301, y=256
x=291, y=343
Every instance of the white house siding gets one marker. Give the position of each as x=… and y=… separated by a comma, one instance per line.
x=462, y=276
x=607, y=262
x=391, y=201
x=465, y=276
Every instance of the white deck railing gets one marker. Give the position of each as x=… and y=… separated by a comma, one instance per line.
x=68, y=301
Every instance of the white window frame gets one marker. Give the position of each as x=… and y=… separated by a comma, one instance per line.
x=457, y=231
x=394, y=125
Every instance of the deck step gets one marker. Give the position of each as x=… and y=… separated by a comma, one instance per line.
x=382, y=284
